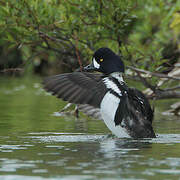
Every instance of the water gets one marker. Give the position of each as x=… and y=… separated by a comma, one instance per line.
x=37, y=145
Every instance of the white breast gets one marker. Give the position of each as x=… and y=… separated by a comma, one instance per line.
x=108, y=109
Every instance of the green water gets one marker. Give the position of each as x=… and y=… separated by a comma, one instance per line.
x=37, y=145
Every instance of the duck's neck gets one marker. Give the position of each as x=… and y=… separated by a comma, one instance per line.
x=117, y=75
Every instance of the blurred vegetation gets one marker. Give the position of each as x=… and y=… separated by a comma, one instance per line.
x=53, y=36
x=58, y=33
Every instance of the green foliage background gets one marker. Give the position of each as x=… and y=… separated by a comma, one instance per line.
x=145, y=32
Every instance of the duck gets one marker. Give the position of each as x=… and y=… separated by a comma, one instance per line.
x=125, y=111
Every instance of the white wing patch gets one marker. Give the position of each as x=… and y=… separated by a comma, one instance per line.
x=111, y=85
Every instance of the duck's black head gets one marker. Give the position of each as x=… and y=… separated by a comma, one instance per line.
x=106, y=61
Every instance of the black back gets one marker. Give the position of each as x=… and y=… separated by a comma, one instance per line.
x=134, y=113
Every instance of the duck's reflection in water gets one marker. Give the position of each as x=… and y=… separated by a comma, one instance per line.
x=120, y=147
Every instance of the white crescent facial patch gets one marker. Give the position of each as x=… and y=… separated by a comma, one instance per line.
x=96, y=65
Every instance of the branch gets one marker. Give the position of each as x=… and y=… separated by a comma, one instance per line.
x=57, y=50
x=73, y=4
x=88, y=23
x=60, y=40
x=165, y=95
x=160, y=75
x=87, y=43
x=146, y=83
x=135, y=78
x=77, y=53
x=173, y=88
x=43, y=35
x=11, y=70
x=32, y=14
x=157, y=93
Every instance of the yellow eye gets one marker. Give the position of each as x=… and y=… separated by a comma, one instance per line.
x=101, y=60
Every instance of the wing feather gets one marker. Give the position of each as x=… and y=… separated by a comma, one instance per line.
x=77, y=87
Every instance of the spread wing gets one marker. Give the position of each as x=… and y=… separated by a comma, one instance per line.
x=77, y=87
